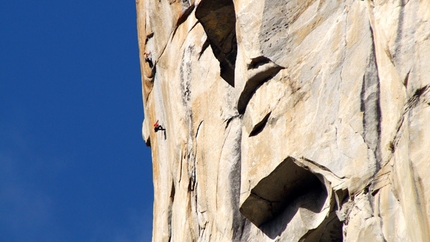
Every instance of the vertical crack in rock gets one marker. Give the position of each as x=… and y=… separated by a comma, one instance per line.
x=185, y=76
x=172, y=192
x=235, y=135
x=410, y=104
x=198, y=129
x=185, y=71
x=170, y=215
x=229, y=176
x=218, y=19
x=370, y=106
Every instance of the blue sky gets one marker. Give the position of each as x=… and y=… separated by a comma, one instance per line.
x=73, y=166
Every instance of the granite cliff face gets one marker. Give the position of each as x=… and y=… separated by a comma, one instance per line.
x=287, y=120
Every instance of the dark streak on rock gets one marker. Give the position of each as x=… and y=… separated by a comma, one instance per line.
x=370, y=106
x=204, y=47
x=172, y=192
x=260, y=126
x=185, y=74
x=188, y=10
x=149, y=36
x=406, y=80
x=398, y=40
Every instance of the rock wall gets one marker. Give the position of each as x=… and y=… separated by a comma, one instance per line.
x=286, y=120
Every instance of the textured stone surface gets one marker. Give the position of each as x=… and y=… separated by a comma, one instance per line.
x=287, y=120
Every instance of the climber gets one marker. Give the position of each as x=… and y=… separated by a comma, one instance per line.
x=158, y=127
x=148, y=58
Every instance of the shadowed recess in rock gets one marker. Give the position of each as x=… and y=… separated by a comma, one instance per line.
x=329, y=230
x=281, y=194
x=218, y=19
x=260, y=70
x=260, y=126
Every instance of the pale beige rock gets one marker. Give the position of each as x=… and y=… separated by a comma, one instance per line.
x=287, y=120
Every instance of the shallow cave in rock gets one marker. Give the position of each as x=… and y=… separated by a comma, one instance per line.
x=276, y=199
